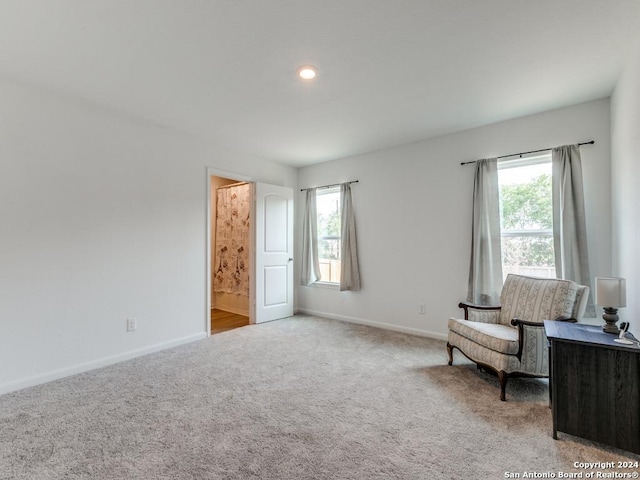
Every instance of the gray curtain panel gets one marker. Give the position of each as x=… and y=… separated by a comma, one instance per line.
x=349, y=270
x=485, y=271
x=310, y=265
x=569, y=225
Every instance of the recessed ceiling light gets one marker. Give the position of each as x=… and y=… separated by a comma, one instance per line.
x=307, y=72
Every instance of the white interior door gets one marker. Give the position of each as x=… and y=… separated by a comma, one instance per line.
x=273, y=252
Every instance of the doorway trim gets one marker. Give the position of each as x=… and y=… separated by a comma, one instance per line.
x=215, y=172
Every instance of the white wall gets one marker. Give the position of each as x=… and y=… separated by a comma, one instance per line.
x=625, y=159
x=413, y=215
x=103, y=217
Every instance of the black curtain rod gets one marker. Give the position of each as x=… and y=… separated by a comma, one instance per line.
x=329, y=186
x=525, y=153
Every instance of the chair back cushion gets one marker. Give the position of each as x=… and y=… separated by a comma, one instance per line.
x=582, y=295
x=536, y=299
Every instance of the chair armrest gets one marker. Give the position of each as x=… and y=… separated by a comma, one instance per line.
x=531, y=338
x=527, y=334
x=466, y=306
x=516, y=322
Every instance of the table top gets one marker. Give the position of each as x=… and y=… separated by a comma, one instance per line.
x=585, y=334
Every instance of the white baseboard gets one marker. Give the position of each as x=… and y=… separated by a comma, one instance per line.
x=371, y=323
x=101, y=362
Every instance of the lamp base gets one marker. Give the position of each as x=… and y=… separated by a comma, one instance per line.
x=610, y=316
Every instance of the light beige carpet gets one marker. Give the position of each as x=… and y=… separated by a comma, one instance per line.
x=300, y=398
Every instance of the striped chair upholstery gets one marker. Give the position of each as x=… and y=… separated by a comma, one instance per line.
x=510, y=339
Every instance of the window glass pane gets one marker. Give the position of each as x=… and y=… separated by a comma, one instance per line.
x=329, y=225
x=525, y=197
x=530, y=255
x=329, y=248
x=329, y=259
x=526, y=216
x=328, y=205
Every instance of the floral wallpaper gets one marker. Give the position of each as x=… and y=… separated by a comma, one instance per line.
x=231, y=274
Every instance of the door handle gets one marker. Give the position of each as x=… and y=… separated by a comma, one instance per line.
x=291, y=259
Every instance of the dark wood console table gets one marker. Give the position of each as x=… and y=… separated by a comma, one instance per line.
x=594, y=385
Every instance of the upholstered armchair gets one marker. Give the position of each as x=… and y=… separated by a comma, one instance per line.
x=509, y=339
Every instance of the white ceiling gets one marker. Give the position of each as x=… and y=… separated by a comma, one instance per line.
x=390, y=71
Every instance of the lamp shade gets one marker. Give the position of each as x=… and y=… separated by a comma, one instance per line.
x=611, y=292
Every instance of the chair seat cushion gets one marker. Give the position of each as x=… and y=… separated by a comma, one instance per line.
x=497, y=337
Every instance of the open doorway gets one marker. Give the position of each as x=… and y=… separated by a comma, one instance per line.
x=230, y=253
x=268, y=255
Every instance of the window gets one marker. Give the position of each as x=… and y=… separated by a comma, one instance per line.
x=329, y=225
x=526, y=216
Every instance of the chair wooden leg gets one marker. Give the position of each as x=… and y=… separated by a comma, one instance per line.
x=450, y=352
x=502, y=376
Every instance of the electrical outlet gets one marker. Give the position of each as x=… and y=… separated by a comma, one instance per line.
x=131, y=325
x=423, y=309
